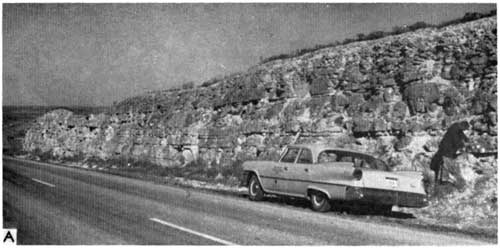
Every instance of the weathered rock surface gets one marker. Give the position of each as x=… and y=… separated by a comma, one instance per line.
x=406, y=89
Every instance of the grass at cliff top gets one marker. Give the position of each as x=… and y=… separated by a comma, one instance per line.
x=143, y=168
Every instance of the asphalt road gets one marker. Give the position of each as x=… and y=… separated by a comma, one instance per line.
x=51, y=204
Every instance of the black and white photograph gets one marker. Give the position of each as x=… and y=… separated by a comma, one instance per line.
x=249, y=123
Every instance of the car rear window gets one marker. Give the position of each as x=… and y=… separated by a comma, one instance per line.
x=358, y=159
x=366, y=161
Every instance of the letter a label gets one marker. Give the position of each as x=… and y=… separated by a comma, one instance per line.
x=9, y=236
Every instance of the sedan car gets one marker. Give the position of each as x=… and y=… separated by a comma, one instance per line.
x=325, y=174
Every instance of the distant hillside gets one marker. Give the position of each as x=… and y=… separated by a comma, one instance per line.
x=18, y=119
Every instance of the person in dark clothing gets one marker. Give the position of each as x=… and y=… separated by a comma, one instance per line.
x=453, y=140
x=436, y=162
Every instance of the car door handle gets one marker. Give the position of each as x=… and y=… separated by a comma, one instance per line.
x=306, y=170
x=286, y=168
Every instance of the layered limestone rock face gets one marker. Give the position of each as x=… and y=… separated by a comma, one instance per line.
x=392, y=97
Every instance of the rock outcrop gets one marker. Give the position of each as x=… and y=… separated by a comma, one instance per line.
x=393, y=97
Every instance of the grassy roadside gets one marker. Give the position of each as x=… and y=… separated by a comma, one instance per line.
x=232, y=189
x=198, y=170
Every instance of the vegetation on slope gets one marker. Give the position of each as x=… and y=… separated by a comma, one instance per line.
x=380, y=34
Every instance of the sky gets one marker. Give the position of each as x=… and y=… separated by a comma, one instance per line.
x=97, y=54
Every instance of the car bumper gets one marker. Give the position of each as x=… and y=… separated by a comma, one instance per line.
x=386, y=197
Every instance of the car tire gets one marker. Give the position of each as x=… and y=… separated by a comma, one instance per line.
x=255, y=192
x=384, y=209
x=319, y=201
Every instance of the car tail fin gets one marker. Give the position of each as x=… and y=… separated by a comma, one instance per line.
x=409, y=173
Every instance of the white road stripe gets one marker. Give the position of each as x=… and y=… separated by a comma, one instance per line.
x=218, y=240
x=42, y=182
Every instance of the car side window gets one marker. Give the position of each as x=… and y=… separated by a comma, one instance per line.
x=346, y=159
x=359, y=162
x=290, y=155
x=305, y=157
x=369, y=162
x=327, y=157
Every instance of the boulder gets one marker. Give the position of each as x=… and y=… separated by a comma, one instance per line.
x=420, y=95
x=399, y=110
x=402, y=143
x=361, y=125
x=320, y=86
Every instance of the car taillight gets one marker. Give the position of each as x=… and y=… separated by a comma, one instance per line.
x=357, y=174
x=426, y=189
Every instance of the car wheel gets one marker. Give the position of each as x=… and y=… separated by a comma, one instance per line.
x=319, y=201
x=385, y=209
x=255, y=191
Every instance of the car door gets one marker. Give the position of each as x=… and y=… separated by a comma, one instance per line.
x=298, y=174
x=333, y=167
x=281, y=175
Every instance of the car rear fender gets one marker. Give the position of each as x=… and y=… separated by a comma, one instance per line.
x=399, y=181
x=315, y=188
